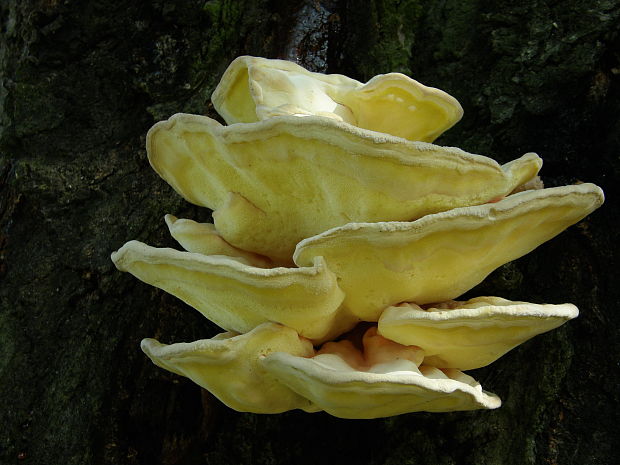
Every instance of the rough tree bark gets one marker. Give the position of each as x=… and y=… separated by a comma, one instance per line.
x=81, y=84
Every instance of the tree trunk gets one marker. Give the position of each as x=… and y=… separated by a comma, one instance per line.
x=81, y=84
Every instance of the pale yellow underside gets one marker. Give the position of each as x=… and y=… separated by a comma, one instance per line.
x=253, y=89
x=227, y=366
x=471, y=334
x=276, y=182
x=441, y=256
x=349, y=393
x=238, y=297
x=271, y=369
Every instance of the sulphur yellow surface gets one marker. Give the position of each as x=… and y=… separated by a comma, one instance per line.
x=228, y=367
x=382, y=379
x=441, y=256
x=204, y=239
x=471, y=334
x=253, y=89
x=276, y=182
x=238, y=297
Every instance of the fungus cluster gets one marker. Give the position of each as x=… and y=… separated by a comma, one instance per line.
x=341, y=236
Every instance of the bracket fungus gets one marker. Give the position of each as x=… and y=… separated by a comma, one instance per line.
x=387, y=380
x=229, y=366
x=238, y=297
x=441, y=256
x=470, y=334
x=278, y=181
x=254, y=89
x=325, y=216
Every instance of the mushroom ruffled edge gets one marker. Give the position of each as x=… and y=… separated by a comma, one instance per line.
x=238, y=297
x=253, y=89
x=339, y=173
x=441, y=256
x=471, y=334
x=271, y=369
x=229, y=367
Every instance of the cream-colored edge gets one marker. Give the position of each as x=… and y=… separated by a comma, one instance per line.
x=525, y=201
x=218, y=350
x=245, y=62
x=369, y=143
x=332, y=377
x=138, y=251
x=480, y=314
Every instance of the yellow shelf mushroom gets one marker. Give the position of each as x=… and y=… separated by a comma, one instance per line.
x=338, y=178
x=254, y=89
x=441, y=256
x=239, y=297
x=389, y=382
x=278, y=181
x=229, y=367
x=271, y=370
x=471, y=334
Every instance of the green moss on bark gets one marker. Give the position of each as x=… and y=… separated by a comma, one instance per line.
x=385, y=45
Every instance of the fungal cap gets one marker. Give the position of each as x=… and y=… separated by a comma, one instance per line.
x=278, y=181
x=254, y=89
x=391, y=384
x=238, y=297
x=441, y=256
x=471, y=334
x=228, y=367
